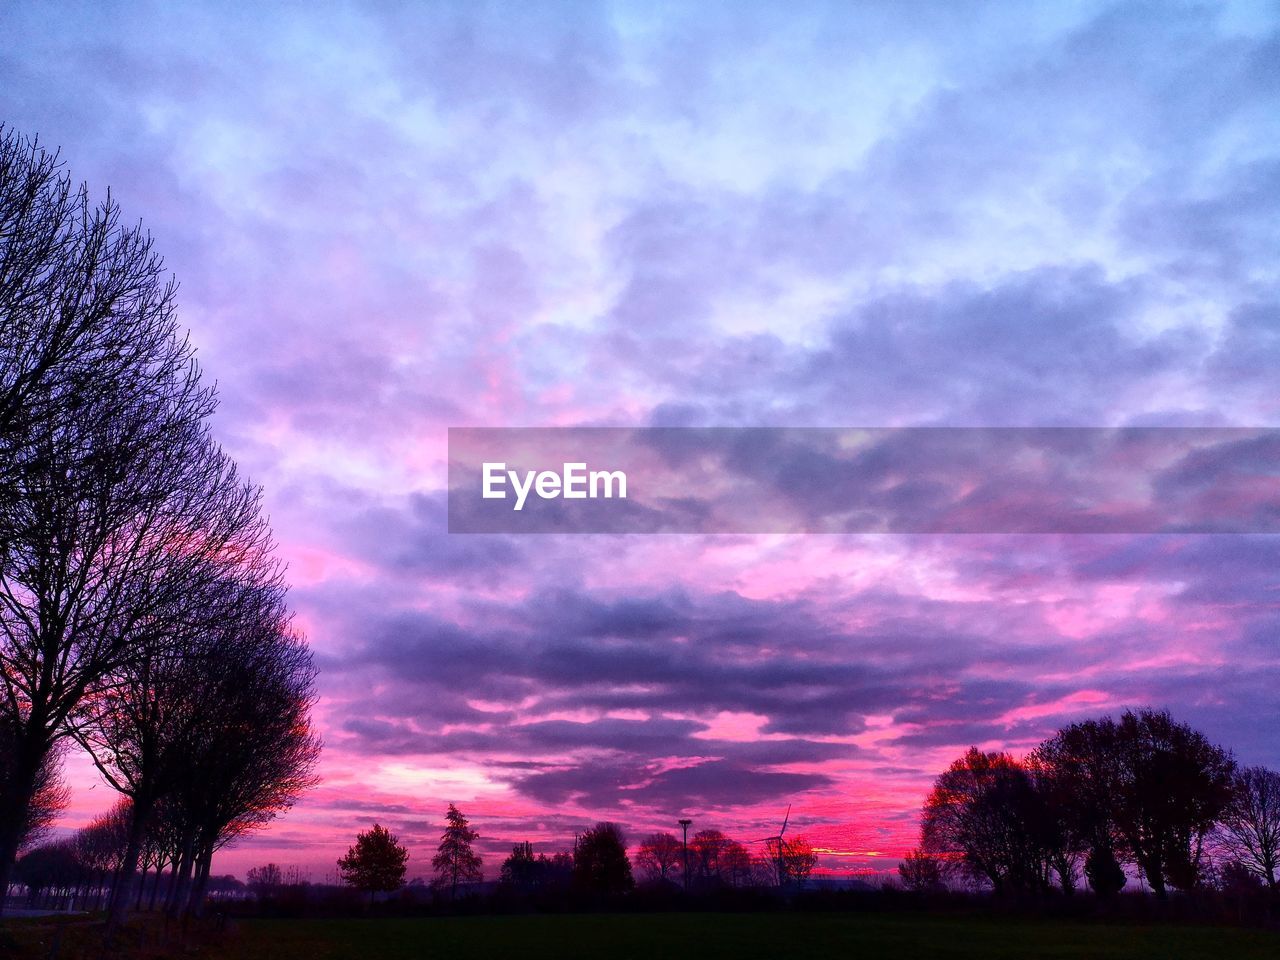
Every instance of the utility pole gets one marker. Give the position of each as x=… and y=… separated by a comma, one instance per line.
x=684, y=824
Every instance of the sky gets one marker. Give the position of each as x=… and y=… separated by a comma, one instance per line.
x=389, y=219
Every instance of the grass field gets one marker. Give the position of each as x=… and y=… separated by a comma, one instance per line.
x=651, y=936
x=737, y=936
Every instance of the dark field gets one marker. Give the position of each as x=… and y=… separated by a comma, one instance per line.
x=637, y=936
x=738, y=936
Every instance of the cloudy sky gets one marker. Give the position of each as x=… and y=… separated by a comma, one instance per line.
x=389, y=219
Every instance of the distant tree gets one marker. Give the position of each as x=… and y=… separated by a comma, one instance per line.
x=265, y=880
x=796, y=860
x=525, y=873
x=456, y=861
x=51, y=867
x=100, y=846
x=600, y=863
x=376, y=864
x=659, y=856
x=706, y=850
x=102, y=841
x=1251, y=823
x=558, y=872
x=520, y=870
x=714, y=859
x=737, y=869
x=920, y=871
x=1236, y=878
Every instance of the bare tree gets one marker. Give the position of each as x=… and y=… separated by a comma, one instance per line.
x=736, y=866
x=659, y=856
x=265, y=880
x=141, y=720
x=76, y=291
x=1251, y=823
x=106, y=462
x=101, y=845
x=706, y=849
x=254, y=751
x=920, y=871
x=793, y=861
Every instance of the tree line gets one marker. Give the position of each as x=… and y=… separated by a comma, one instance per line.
x=598, y=863
x=83, y=870
x=142, y=607
x=1099, y=802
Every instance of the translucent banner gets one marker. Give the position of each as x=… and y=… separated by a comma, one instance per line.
x=878, y=480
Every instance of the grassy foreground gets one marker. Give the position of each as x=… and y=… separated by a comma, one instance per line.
x=736, y=936
x=657, y=936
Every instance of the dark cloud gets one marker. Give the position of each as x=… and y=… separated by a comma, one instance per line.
x=715, y=784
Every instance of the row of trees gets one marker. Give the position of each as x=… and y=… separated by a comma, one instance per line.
x=1102, y=798
x=142, y=610
x=85, y=868
x=713, y=860
x=598, y=863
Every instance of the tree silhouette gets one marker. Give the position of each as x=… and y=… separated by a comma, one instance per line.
x=984, y=818
x=737, y=869
x=376, y=864
x=51, y=866
x=106, y=467
x=1082, y=762
x=520, y=870
x=100, y=846
x=255, y=749
x=1104, y=872
x=525, y=873
x=48, y=796
x=140, y=722
x=1251, y=823
x=266, y=879
x=600, y=863
x=920, y=872
x=1159, y=784
x=706, y=849
x=659, y=856
x=795, y=861
x=455, y=861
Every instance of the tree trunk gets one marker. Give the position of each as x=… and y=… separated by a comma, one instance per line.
x=15, y=805
x=155, y=885
x=181, y=874
x=125, y=877
x=200, y=885
x=6, y=875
